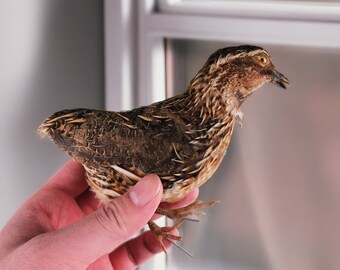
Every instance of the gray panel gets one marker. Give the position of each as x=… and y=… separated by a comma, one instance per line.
x=51, y=59
x=279, y=182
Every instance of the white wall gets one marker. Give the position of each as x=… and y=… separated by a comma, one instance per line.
x=51, y=58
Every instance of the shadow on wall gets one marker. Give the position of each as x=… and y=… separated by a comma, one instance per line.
x=53, y=59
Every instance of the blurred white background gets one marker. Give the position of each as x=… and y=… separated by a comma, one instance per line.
x=51, y=59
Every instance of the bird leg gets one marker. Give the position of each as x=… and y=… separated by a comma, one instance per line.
x=164, y=232
x=189, y=210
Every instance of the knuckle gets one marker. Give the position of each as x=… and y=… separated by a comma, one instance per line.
x=112, y=218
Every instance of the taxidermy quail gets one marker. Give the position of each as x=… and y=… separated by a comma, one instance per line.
x=181, y=139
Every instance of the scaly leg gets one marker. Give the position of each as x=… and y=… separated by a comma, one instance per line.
x=189, y=210
x=164, y=232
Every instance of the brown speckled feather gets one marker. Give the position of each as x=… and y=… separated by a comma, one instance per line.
x=160, y=139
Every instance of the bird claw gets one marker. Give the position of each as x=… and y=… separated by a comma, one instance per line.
x=180, y=213
x=164, y=232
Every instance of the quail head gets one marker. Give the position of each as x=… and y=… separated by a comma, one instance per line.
x=181, y=139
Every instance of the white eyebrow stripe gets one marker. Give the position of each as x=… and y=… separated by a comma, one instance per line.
x=223, y=60
x=252, y=53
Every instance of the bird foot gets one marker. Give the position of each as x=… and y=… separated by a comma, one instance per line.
x=164, y=232
x=180, y=213
x=189, y=210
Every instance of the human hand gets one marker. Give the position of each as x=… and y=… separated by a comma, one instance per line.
x=62, y=226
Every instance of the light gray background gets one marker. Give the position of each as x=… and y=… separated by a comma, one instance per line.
x=51, y=58
x=279, y=181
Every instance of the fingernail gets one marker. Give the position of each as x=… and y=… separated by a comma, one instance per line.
x=145, y=190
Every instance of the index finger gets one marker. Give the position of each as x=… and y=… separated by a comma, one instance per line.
x=70, y=179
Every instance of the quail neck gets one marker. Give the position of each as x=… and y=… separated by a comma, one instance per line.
x=229, y=76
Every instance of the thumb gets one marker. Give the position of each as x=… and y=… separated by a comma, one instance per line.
x=109, y=226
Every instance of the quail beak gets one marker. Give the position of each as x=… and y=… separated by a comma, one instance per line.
x=279, y=79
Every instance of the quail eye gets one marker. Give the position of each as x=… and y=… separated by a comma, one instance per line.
x=262, y=60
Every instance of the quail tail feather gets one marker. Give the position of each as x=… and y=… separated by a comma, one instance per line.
x=60, y=120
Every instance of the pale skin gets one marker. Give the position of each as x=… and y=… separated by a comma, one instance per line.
x=62, y=226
